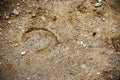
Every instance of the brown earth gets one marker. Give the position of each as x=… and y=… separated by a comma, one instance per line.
x=59, y=40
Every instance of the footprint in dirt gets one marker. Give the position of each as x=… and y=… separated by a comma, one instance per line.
x=38, y=39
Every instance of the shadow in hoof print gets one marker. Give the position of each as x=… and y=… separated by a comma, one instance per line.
x=38, y=39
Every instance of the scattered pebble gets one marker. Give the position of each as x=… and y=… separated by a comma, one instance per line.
x=83, y=66
x=16, y=45
x=98, y=73
x=84, y=45
x=23, y=53
x=98, y=29
x=9, y=22
x=98, y=4
x=0, y=63
x=28, y=78
x=7, y=17
x=33, y=15
x=77, y=28
x=81, y=42
x=0, y=33
x=0, y=29
x=18, y=4
x=15, y=12
x=29, y=5
x=43, y=18
x=103, y=19
x=99, y=1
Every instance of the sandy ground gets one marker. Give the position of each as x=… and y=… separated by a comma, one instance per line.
x=59, y=40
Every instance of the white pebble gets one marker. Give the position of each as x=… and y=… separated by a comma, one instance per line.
x=99, y=1
x=28, y=78
x=0, y=33
x=81, y=42
x=18, y=4
x=98, y=73
x=15, y=12
x=0, y=29
x=16, y=45
x=9, y=22
x=83, y=66
x=98, y=4
x=43, y=18
x=103, y=19
x=23, y=53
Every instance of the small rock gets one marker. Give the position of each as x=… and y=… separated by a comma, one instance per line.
x=9, y=22
x=28, y=78
x=16, y=45
x=83, y=66
x=30, y=5
x=33, y=15
x=98, y=4
x=81, y=42
x=43, y=18
x=0, y=33
x=99, y=1
x=98, y=73
x=7, y=17
x=15, y=12
x=0, y=29
x=23, y=53
x=18, y=4
x=103, y=19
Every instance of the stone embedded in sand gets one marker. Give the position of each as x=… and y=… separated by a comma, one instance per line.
x=23, y=53
x=98, y=4
x=99, y=1
x=15, y=12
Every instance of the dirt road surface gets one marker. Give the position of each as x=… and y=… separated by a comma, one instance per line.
x=59, y=39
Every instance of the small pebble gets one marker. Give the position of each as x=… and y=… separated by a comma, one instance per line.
x=0, y=29
x=0, y=33
x=81, y=42
x=28, y=78
x=23, y=53
x=9, y=22
x=84, y=45
x=103, y=19
x=43, y=18
x=18, y=4
x=16, y=45
x=98, y=29
x=98, y=4
x=7, y=17
x=15, y=12
x=99, y=1
x=98, y=73
x=83, y=66
x=33, y=15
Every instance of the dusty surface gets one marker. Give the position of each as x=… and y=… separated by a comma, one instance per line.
x=59, y=40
